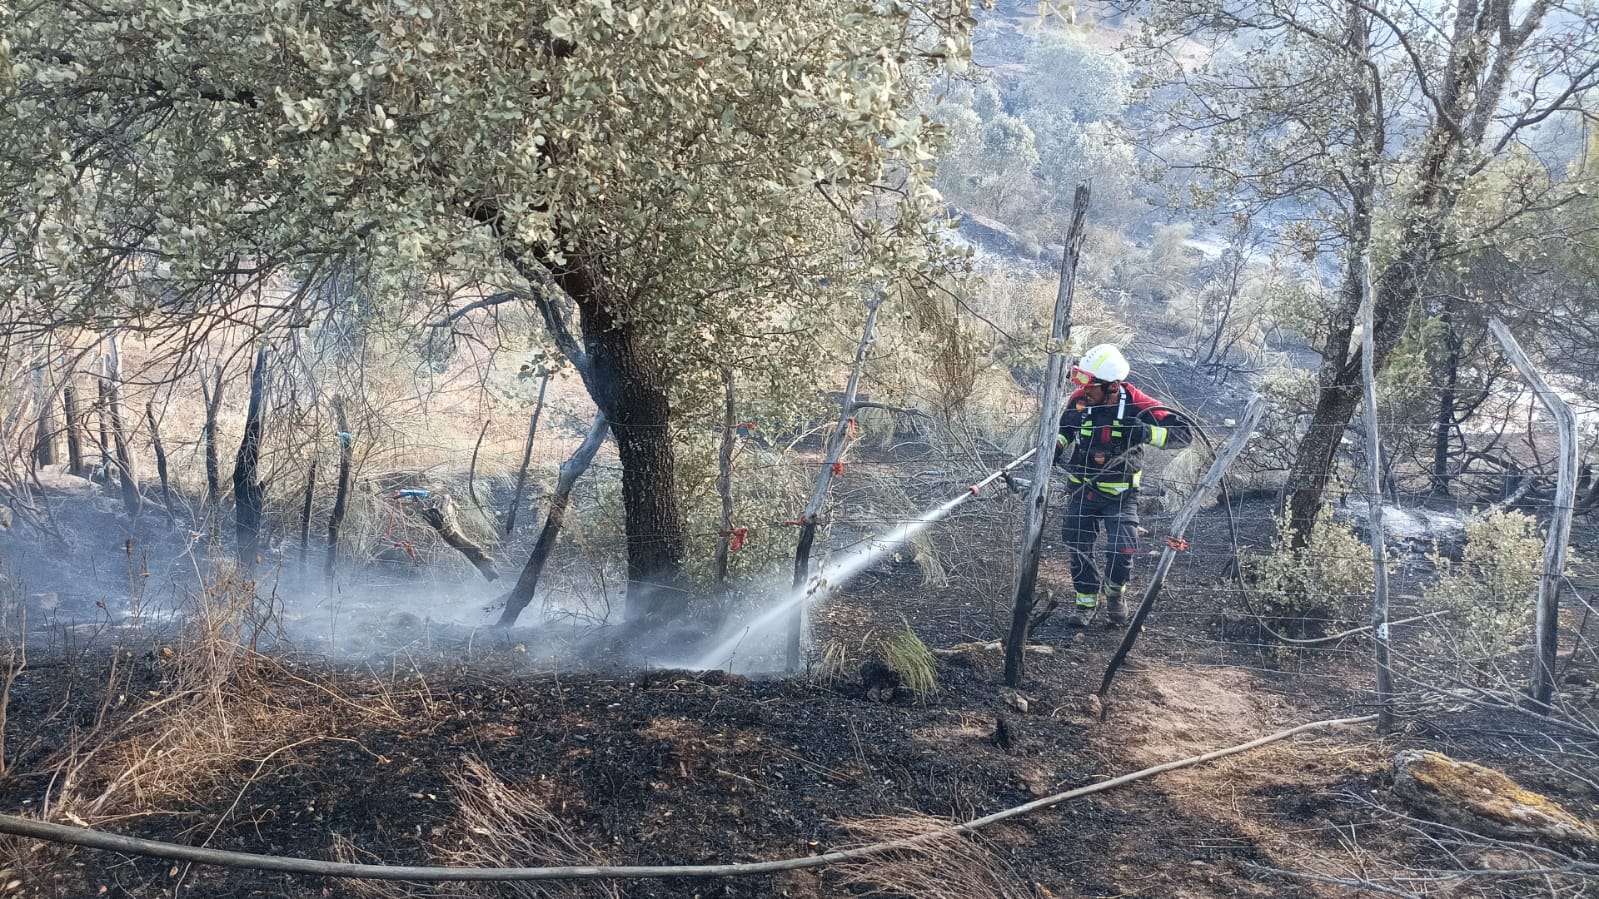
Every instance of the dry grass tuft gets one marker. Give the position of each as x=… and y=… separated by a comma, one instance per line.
x=497, y=826
x=944, y=867
x=909, y=657
x=223, y=708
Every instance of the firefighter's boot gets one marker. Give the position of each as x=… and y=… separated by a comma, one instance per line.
x=1086, y=604
x=1116, y=606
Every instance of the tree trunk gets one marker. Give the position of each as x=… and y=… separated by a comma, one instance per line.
x=128, y=476
x=1340, y=395
x=341, y=494
x=213, y=404
x=69, y=411
x=527, y=583
x=1471, y=86
x=1444, y=423
x=724, y=482
x=44, y=444
x=527, y=458
x=305, y=512
x=103, y=407
x=628, y=384
x=160, y=461
x=248, y=491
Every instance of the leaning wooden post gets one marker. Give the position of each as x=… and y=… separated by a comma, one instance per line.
x=1048, y=425
x=1379, y=547
x=813, y=508
x=1179, y=526
x=439, y=513
x=1546, y=623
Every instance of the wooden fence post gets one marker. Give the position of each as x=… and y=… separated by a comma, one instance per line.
x=1546, y=622
x=1048, y=423
x=1179, y=526
x=1379, y=547
x=835, y=451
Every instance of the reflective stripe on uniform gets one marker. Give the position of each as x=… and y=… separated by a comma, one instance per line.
x=1157, y=436
x=1114, y=488
x=1087, y=600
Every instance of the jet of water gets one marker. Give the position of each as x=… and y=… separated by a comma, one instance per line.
x=843, y=566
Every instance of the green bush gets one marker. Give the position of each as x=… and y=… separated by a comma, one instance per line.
x=1489, y=594
x=1303, y=591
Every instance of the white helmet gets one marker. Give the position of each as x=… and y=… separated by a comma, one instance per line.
x=1106, y=363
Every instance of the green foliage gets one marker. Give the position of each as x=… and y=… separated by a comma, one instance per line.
x=724, y=178
x=1305, y=590
x=1019, y=145
x=1489, y=594
x=709, y=164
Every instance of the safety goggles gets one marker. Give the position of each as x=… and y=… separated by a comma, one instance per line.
x=1083, y=377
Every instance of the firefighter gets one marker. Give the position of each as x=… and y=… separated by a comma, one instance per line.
x=1103, y=431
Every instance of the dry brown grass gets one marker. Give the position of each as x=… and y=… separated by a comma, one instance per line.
x=224, y=709
x=944, y=867
x=496, y=825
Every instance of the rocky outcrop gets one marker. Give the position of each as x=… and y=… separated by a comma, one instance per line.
x=1471, y=797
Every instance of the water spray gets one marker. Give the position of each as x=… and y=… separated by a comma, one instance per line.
x=845, y=565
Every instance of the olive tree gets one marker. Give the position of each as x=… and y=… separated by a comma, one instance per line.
x=1359, y=126
x=703, y=181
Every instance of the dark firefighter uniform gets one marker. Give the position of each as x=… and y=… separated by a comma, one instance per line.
x=1102, y=450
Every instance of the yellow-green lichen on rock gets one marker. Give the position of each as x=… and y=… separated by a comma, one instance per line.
x=1482, y=800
